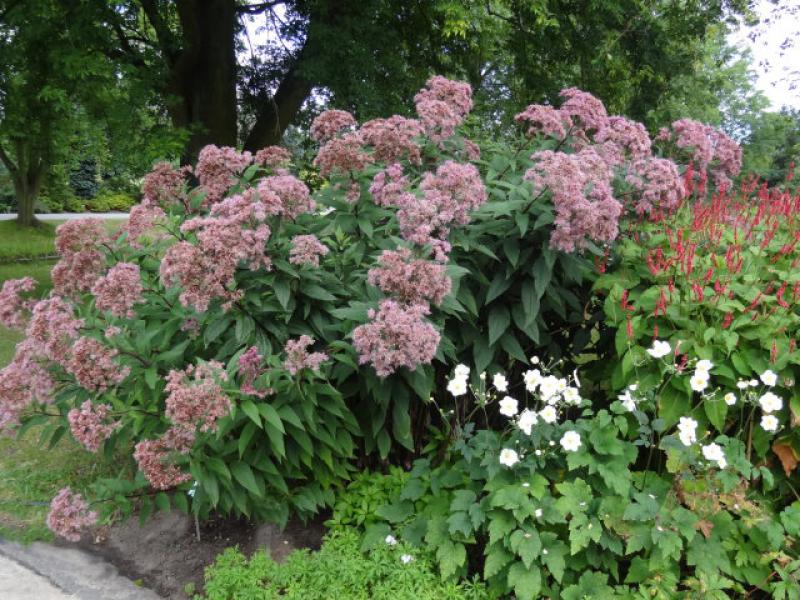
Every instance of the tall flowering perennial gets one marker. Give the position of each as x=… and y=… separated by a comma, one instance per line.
x=273, y=157
x=658, y=183
x=546, y=120
x=396, y=336
x=330, y=123
x=195, y=399
x=298, y=357
x=69, y=515
x=294, y=195
x=119, y=290
x=631, y=137
x=165, y=186
x=307, y=250
x=442, y=105
x=250, y=368
x=393, y=139
x=143, y=221
x=390, y=187
x=24, y=381
x=89, y=425
x=218, y=169
x=93, y=366
x=78, y=243
x=584, y=110
x=342, y=156
x=53, y=328
x=156, y=458
x=14, y=310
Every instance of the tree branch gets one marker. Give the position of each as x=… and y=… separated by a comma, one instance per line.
x=6, y=159
x=255, y=9
x=166, y=39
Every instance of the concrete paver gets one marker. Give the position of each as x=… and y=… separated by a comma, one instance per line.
x=19, y=583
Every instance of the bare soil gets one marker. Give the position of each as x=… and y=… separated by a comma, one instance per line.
x=165, y=555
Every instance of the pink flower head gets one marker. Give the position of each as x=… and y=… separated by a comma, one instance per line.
x=184, y=266
x=393, y=139
x=93, y=365
x=694, y=136
x=13, y=308
x=53, y=328
x=273, y=156
x=195, y=398
x=142, y=220
x=250, y=368
x=79, y=235
x=298, y=357
x=306, y=250
x=342, y=156
x=69, y=515
x=631, y=137
x=165, y=185
x=410, y=280
x=331, y=123
x=23, y=381
x=88, y=425
x=396, y=336
x=442, y=105
x=119, y=290
x=294, y=195
x=658, y=184
x=155, y=458
x=78, y=243
x=583, y=109
x=390, y=187
x=545, y=120
x=218, y=169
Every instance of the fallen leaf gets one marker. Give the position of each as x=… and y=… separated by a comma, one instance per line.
x=705, y=526
x=788, y=456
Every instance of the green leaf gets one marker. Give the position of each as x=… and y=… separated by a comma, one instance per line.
x=271, y=417
x=318, y=293
x=499, y=320
x=716, y=411
x=244, y=475
x=251, y=410
x=282, y=293
x=500, y=283
x=496, y=558
x=451, y=556
x=245, y=436
x=527, y=583
x=162, y=502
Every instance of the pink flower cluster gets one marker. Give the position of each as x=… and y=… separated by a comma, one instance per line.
x=396, y=336
x=143, y=218
x=448, y=196
x=629, y=136
x=390, y=187
x=342, y=156
x=543, y=119
x=165, y=185
x=410, y=280
x=294, y=195
x=155, y=458
x=307, y=250
x=658, y=183
x=393, y=139
x=218, y=169
x=13, y=308
x=442, y=105
x=298, y=357
x=581, y=189
x=53, y=328
x=234, y=232
x=88, y=425
x=273, y=157
x=23, y=381
x=119, y=290
x=709, y=147
x=78, y=243
x=195, y=398
x=250, y=369
x=93, y=366
x=69, y=515
x=331, y=123
x=583, y=109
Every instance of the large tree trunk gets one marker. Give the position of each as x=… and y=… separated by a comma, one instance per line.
x=27, y=174
x=26, y=201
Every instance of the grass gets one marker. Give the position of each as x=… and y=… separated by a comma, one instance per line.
x=30, y=472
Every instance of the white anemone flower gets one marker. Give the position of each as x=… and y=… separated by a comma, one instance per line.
x=659, y=349
x=742, y=384
x=699, y=381
x=508, y=457
x=500, y=382
x=548, y=387
x=769, y=378
x=406, y=558
x=390, y=540
x=687, y=431
x=548, y=414
x=704, y=366
x=628, y=401
x=461, y=371
x=572, y=396
x=730, y=398
x=570, y=441
x=770, y=423
x=527, y=419
x=509, y=406
x=532, y=379
x=457, y=386
x=713, y=452
x=769, y=402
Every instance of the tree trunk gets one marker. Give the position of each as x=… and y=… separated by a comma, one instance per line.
x=26, y=200
x=27, y=175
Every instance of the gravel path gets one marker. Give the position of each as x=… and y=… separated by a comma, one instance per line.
x=68, y=216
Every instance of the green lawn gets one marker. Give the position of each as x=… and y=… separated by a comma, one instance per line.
x=31, y=473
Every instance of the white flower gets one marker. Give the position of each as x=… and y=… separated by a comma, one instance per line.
x=482, y=376
x=769, y=402
x=742, y=384
x=570, y=441
x=633, y=387
x=406, y=558
x=699, y=381
x=713, y=452
x=703, y=366
x=548, y=414
x=769, y=423
x=390, y=540
x=660, y=349
x=561, y=385
x=509, y=406
x=457, y=386
x=628, y=401
x=572, y=396
x=526, y=485
x=769, y=378
x=534, y=360
x=527, y=419
x=548, y=387
x=687, y=431
x=754, y=383
x=508, y=457
x=538, y=513
x=532, y=379
x=461, y=371
x=537, y=452
x=730, y=398
x=500, y=382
